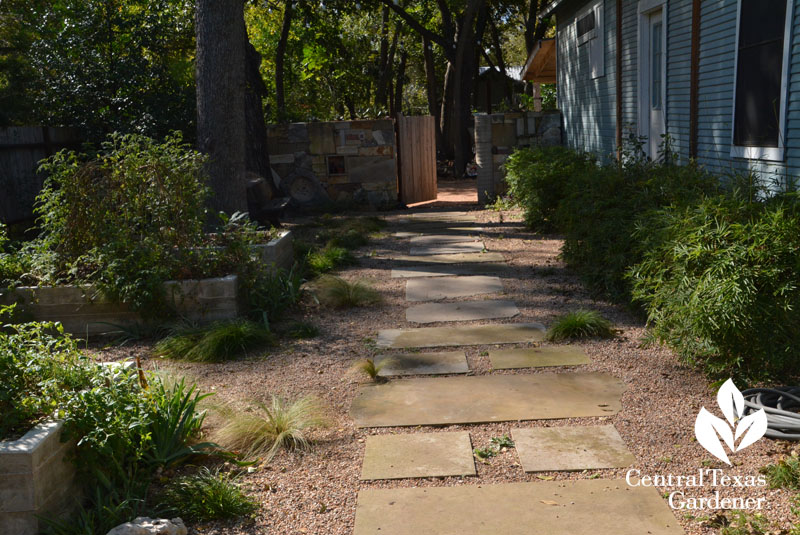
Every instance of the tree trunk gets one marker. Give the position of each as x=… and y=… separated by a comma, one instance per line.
x=399, y=83
x=280, y=58
x=257, y=154
x=220, y=99
x=447, y=113
x=430, y=85
x=384, y=89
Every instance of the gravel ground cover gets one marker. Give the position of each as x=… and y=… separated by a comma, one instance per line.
x=315, y=492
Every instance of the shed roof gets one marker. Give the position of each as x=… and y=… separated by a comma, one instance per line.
x=541, y=64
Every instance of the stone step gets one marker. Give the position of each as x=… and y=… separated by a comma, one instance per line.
x=418, y=455
x=422, y=289
x=448, y=248
x=538, y=357
x=584, y=507
x=486, y=398
x=456, y=258
x=472, y=335
x=423, y=363
x=461, y=311
x=450, y=270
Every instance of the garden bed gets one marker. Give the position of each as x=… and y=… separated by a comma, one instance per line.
x=83, y=310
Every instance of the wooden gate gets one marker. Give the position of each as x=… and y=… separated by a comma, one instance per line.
x=416, y=151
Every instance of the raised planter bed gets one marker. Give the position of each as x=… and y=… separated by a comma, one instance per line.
x=83, y=311
x=35, y=479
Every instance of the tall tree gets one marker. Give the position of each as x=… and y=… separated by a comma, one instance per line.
x=280, y=58
x=221, y=123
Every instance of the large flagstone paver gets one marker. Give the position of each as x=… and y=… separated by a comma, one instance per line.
x=448, y=248
x=585, y=507
x=441, y=216
x=550, y=449
x=537, y=357
x=449, y=270
x=423, y=363
x=471, y=335
x=486, y=398
x=418, y=455
x=437, y=239
x=421, y=289
x=461, y=311
x=455, y=258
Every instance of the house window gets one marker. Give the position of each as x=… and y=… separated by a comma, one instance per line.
x=589, y=32
x=761, y=70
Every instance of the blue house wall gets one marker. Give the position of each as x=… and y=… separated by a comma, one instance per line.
x=589, y=105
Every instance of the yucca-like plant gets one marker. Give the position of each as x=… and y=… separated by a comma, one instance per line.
x=266, y=428
x=581, y=323
x=215, y=343
x=339, y=293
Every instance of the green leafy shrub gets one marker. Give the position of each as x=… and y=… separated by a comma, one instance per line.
x=339, y=293
x=264, y=429
x=208, y=495
x=539, y=178
x=721, y=281
x=269, y=292
x=217, y=342
x=579, y=324
x=327, y=259
x=40, y=369
x=126, y=219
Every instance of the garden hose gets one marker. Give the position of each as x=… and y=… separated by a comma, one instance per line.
x=780, y=404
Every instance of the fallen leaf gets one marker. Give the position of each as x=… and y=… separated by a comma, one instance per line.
x=549, y=502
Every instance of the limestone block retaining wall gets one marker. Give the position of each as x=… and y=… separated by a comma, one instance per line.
x=341, y=161
x=497, y=135
x=35, y=479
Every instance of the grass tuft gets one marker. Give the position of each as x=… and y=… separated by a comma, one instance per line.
x=215, y=343
x=263, y=430
x=369, y=368
x=785, y=474
x=581, y=323
x=328, y=258
x=208, y=495
x=339, y=293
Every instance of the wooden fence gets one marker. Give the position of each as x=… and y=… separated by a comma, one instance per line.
x=417, y=158
x=21, y=149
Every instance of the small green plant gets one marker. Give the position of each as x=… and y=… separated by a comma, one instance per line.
x=785, y=474
x=300, y=330
x=581, y=323
x=264, y=429
x=328, y=258
x=215, y=343
x=503, y=442
x=371, y=369
x=483, y=454
x=339, y=293
x=208, y=495
x=741, y=523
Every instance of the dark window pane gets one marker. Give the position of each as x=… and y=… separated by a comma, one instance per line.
x=758, y=73
x=586, y=24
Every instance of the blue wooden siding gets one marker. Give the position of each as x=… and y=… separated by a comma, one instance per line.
x=589, y=105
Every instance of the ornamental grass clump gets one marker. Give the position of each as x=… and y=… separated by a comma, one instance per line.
x=208, y=495
x=580, y=324
x=217, y=342
x=338, y=293
x=264, y=428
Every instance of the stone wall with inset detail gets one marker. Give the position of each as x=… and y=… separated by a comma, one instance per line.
x=497, y=135
x=342, y=161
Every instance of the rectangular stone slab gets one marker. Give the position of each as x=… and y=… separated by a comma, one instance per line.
x=551, y=449
x=486, y=398
x=410, y=230
x=423, y=363
x=538, y=357
x=585, y=507
x=472, y=335
x=461, y=311
x=457, y=258
x=418, y=455
x=449, y=287
x=449, y=270
x=448, y=248
x=437, y=239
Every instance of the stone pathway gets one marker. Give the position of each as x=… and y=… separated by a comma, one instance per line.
x=448, y=261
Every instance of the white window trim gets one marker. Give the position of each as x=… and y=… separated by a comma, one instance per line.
x=598, y=65
x=646, y=8
x=775, y=154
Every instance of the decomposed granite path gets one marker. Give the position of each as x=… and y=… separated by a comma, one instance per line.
x=447, y=260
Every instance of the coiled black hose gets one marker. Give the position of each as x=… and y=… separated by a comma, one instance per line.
x=781, y=405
